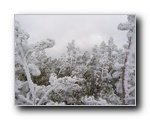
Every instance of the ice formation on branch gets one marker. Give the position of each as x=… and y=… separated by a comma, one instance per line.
x=39, y=46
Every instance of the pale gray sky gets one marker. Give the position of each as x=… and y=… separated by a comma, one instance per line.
x=86, y=30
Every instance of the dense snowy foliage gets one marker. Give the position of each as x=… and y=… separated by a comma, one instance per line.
x=103, y=76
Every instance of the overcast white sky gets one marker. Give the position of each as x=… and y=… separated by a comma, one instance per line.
x=86, y=30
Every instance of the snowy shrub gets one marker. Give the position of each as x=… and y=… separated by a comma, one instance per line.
x=91, y=101
x=65, y=89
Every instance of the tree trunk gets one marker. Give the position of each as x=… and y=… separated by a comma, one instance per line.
x=123, y=72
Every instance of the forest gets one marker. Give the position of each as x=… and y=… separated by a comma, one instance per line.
x=106, y=76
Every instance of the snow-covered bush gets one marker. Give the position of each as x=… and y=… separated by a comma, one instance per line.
x=111, y=98
x=66, y=89
x=91, y=101
x=23, y=94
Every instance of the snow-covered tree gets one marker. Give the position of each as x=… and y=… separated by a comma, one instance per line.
x=24, y=58
x=99, y=80
x=128, y=74
x=69, y=60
